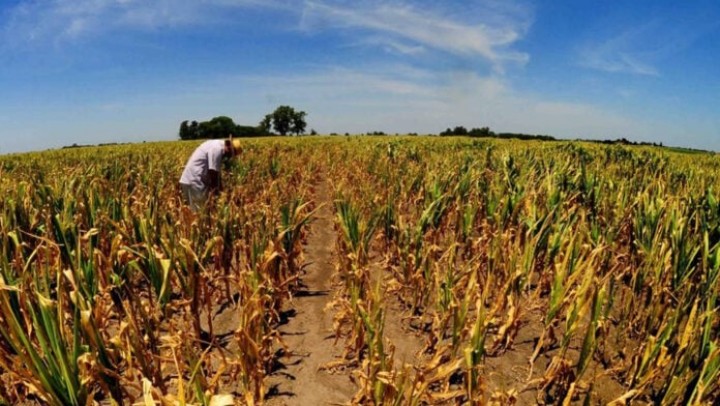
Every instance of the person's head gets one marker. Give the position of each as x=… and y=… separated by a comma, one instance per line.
x=232, y=147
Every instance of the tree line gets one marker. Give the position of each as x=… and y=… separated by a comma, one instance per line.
x=485, y=132
x=283, y=121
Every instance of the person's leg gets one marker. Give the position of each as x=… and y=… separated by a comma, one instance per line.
x=185, y=193
x=197, y=198
x=193, y=197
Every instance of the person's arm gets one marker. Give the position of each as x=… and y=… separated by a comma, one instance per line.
x=214, y=185
x=214, y=168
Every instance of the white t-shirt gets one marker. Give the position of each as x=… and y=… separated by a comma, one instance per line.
x=208, y=156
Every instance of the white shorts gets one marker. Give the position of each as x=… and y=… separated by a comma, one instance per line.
x=194, y=196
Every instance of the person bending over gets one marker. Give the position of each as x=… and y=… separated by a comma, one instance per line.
x=201, y=176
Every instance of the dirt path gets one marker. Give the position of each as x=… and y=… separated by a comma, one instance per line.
x=308, y=335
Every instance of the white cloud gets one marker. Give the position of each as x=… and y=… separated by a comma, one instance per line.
x=396, y=99
x=487, y=30
x=489, y=36
x=642, y=48
x=625, y=51
x=617, y=62
x=393, y=46
x=622, y=53
x=76, y=27
x=342, y=83
x=40, y=21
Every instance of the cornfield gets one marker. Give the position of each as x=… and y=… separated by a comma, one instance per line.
x=527, y=272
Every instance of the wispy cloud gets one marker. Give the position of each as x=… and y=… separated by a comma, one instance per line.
x=346, y=84
x=392, y=46
x=489, y=35
x=488, y=30
x=40, y=21
x=373, y=98
x=618, y=62
x=623, y=53
x=642, y=48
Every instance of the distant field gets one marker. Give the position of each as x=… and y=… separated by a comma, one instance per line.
x=363, y=270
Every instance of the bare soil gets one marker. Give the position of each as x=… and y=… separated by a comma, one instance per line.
x=299, y=378
x=510, y=370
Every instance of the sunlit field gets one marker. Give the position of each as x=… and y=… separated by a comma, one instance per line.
x=510, y=271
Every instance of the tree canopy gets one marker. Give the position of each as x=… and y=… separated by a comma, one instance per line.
x=218, y=127
x=485, y=132
x=284, y=120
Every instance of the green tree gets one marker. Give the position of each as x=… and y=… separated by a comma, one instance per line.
x=248, y=131
x=298, y=123
x=460, y=130
x=184, y=132
x=218, y=127
x=481, y=132
x=282, y=118
x=285, y=120
x=266, y=124
x=189, y=131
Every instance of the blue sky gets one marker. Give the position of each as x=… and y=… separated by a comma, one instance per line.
x=92, y=71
